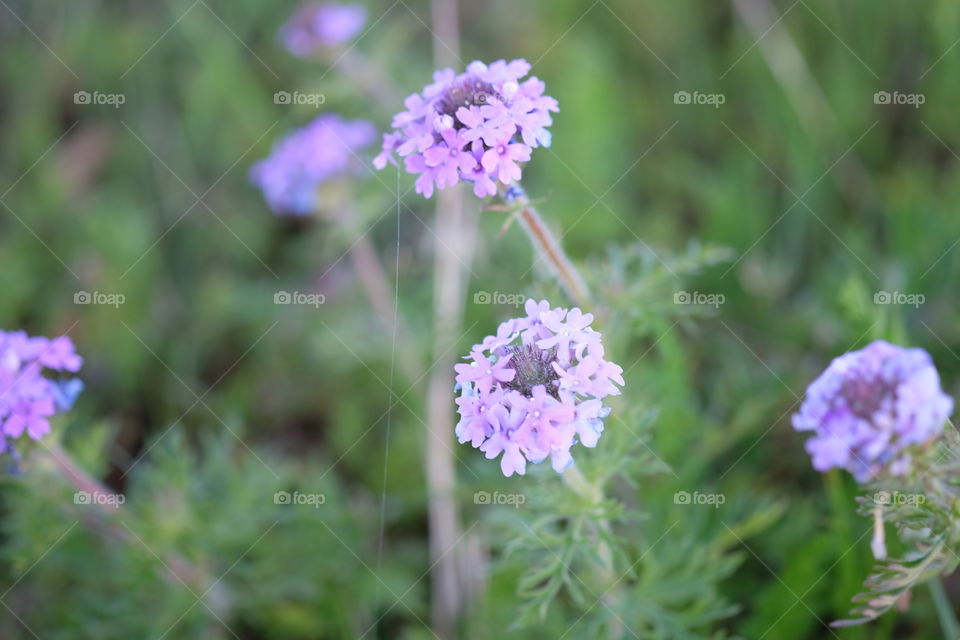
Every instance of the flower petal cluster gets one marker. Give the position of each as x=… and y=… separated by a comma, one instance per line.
x=869, y=407
x=536, y=388
x=27, y=397
x=320, y=24
x=325, y=149
x=476, y=126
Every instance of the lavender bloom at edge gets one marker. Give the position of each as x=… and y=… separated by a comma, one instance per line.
x=869, y=407
x=28, y=398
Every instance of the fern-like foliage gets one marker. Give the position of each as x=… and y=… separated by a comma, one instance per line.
x=922, y=508
x=257, y=565
x=591, y=562
x=588, y=557
x=601, y=568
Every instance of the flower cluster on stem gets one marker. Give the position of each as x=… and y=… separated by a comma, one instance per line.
x=476, y=126
x=324, y=150
x=28, y=397
x=535, y=388
x=869, y=407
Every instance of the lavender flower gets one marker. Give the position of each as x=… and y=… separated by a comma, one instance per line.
x=317, y=24
x=535, y=387
x=476, y=126
x=869, y=407
x=27, y=398
x=323, y=150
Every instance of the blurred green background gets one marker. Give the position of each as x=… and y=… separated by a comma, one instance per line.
x=203, y=397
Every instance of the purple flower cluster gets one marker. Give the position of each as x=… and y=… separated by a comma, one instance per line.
x=318, y=24
x=869, y=406
x=27, y=398
x=299, y=164
x=476, y=126
x=535, y=387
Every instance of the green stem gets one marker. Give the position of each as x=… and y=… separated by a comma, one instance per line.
x=948, y=620
x=580, y=485
x=606, y=576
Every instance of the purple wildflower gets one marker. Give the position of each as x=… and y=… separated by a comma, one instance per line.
x=299, y=164
x=535, y=388
x=318, y=24
x=476, y=126
x=869, y=406
x=27, y=398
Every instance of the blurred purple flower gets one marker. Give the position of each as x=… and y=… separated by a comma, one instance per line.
x=323, y=150
x=319, y=24
x=476, y=126
x=869, y=406
x=535, y=388
x=27, y=398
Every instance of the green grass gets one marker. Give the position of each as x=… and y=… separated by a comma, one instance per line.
x=104, y=199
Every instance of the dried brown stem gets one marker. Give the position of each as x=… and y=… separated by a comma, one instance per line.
x=455, y=231
x=548, y=248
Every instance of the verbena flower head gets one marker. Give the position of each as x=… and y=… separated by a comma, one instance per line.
x=476, y=126
x=319, y=24
x=869, y=407
x=300, y=163
x=27, y=398
x=535, y=388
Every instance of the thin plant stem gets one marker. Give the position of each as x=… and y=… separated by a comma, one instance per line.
x=606, y=576
x=372, y=275
x=547, y=247
x=80, y=478
x=455, y=232
x=575, y=479
x=948, y=619
x=878, y=544
x=179, y=571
